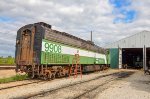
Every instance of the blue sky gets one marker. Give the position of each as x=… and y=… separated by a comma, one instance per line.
x=121, y=7
x=110, y=20
x=6, y=19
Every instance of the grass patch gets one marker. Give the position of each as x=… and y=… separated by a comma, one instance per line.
x=13, y=78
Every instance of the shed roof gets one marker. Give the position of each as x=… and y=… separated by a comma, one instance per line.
x=135, y=41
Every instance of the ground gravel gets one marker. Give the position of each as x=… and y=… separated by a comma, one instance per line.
x=38, y=87
x=137, y=86
x=7, y=73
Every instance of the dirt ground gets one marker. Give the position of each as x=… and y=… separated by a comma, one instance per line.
x=7, y=73
x=46, y=85
x=137, y=86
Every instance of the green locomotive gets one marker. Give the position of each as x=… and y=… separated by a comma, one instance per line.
x=42, y=51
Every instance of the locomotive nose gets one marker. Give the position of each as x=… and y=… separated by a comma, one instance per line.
x=25, y=47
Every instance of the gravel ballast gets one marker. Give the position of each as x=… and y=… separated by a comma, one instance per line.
x=47, y=85
x=136, y=86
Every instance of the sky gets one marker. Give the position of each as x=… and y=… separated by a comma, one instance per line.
x=110, y=20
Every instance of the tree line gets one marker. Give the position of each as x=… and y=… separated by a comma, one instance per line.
x=9, y=60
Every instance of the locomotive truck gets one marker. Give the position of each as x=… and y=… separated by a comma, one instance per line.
x=44, y=52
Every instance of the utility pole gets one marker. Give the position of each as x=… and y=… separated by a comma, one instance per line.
x=91, y=36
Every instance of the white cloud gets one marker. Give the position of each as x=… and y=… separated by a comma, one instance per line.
x=72, y=10
x=77, y=17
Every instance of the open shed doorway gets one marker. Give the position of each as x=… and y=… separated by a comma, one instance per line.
x=132, y=58
x=148, y=58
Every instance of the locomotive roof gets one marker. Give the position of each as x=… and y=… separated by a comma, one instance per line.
x=66, y=34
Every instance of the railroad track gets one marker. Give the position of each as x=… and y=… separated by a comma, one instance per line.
x=19, y=85
x=107, y=82
x=118, y=75
x=29, y=83
x=90, y=90
x=7, y=67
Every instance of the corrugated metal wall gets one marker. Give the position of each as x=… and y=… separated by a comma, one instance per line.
x=135, y=41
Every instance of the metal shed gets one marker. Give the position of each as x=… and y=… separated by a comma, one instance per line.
x=133, y=51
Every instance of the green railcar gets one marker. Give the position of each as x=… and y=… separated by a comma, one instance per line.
x=57, y=53
x=39, y=49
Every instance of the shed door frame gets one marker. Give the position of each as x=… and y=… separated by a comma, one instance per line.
x=120, y=57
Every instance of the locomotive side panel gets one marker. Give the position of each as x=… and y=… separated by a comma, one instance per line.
x=39, y=35
x=56, y=53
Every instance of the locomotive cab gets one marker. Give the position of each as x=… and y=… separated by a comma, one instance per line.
x=24, y=47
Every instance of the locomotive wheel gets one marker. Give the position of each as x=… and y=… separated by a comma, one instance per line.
x=33, y=73
x=29, y=71
x=52, y=77
x=49, y=75
x=66, y=72
x=17, y=68
x=58, y=74
x=44, y=77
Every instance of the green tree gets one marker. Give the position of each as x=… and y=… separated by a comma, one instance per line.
x=9, y=60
